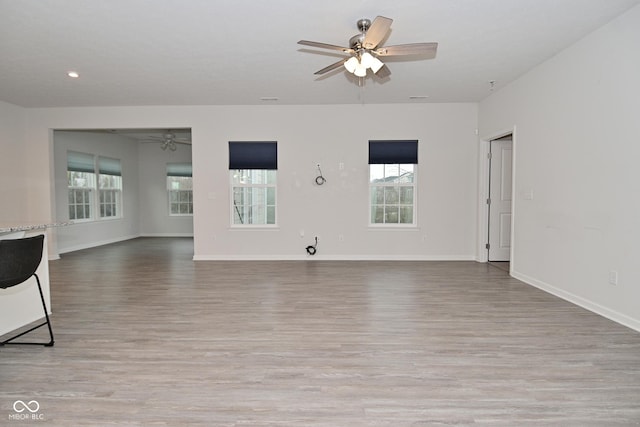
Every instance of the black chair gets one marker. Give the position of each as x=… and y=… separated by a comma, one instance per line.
x=19, y=260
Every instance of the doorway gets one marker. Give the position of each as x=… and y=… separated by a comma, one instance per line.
x=499, y=202
x=149, y=159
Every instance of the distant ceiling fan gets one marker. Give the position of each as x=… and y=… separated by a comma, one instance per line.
x=364, y=50
x=168, y=140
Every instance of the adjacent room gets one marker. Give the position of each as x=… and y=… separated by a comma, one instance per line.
x=341, y=213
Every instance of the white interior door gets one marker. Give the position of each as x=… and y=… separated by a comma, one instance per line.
x=500, y=191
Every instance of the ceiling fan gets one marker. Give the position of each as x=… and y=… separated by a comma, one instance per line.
x=364, y=49
x=168, y=140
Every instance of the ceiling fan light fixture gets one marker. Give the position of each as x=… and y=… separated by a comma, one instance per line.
x=360, y=71
x=366, y=59
x=351, y=64
x=376, y=64
x=365, y=49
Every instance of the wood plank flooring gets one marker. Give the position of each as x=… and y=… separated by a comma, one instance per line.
x=145, y=336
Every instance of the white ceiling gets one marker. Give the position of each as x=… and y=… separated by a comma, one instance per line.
x=218, y=52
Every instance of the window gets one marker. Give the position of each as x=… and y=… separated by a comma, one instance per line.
x=84, y=183
x=80, y=199
x=110, y=187
x=392, y=193
x=253, y=172
x=392, y=182
x=254, y=196
x=81, y=181
x=180, y=188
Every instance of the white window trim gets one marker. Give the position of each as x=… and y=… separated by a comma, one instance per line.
x=118, y=204
x=92, y=196
x=169, y=203
x=232, y=206
x=95, y=197
x=395, y=226
x=178, y=170
x=119, y=200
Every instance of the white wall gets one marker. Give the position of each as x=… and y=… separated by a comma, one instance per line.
x=154, y=207
x=12, y=165
x=83, y=235
x=307, y=135
x=331, y=135
x=577, y=150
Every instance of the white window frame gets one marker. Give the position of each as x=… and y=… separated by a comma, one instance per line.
x=89, y=190
x=114, y=193
x=96, y=189
x=179, y=184
x=237, y=211
x=179, y=192
x=394, y=184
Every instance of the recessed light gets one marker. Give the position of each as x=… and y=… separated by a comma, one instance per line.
x=73, y=74
x=269, y=98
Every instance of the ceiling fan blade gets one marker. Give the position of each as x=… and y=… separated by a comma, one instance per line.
x=332, y=66
x=326, y=46
x=376, y=32
x=424, y=49
x=383, y=72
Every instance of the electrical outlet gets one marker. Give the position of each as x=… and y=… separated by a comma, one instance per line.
x=341, y=237
x=613, y=277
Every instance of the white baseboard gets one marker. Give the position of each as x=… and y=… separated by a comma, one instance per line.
x=613, y=315
x=167, y=235
x=96, y=244
x=116, y=240
x=304, y=257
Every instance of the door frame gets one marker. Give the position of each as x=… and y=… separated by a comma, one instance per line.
x=496, y=165
x=482, y=254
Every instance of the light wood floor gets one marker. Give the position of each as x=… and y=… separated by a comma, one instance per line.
x=145, y=336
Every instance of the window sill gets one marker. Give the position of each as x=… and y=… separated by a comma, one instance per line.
x=385, y=227
x=254, y=228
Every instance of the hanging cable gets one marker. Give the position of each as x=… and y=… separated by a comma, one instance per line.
x=238, y=211
x=312, y=249
x=320, y=179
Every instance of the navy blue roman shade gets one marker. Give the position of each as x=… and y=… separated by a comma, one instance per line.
x=393, y=151
x=253, y=155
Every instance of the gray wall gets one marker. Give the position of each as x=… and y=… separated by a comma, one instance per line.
x=152, y=191
x=447, y=175
x=145, y=206
x=83, y=235
x=576, y=151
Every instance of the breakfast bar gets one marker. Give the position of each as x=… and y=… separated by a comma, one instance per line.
x=20, y=305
